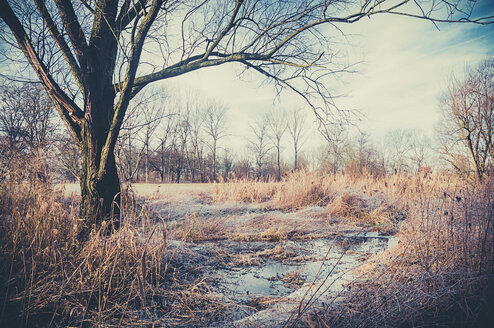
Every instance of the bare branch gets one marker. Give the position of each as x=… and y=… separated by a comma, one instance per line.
x=60, y=42
x=68, y=110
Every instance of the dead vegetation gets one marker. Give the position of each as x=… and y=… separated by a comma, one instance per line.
x=131, y=278
x=439, y=273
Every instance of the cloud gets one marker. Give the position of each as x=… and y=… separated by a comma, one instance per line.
x=405, y=65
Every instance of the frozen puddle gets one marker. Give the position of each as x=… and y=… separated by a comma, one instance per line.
x=322, y=262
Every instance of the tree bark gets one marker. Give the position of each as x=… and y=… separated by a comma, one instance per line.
x=100, y=184
x=100, y=197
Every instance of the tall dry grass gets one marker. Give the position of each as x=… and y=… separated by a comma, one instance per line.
x=243, y=190
x=304, y=188
x=131, y=278
x=440, y=274
x=364, y=199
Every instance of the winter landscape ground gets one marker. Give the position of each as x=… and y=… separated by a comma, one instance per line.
x=263, y=262
x=313, y=250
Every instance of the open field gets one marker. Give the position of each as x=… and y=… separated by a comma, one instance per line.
x=311, y=251
x=259, y=260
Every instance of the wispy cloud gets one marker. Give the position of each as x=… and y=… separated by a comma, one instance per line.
x=405, y=65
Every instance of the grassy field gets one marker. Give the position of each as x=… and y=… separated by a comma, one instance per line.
x=312, y=250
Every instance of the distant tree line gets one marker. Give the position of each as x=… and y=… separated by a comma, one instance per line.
x=182, y=138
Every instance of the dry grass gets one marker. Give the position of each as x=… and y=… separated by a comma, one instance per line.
x=194, y=229
x=353, y=207
x=131, y=278
x=301, y=189
x=441, y=272
x=252, y=191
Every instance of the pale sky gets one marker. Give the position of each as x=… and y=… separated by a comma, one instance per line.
x=404, y=65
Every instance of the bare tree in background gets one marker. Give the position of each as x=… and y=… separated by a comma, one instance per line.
x=420, y=146
x=128, y=152
x=69, y=159
x=197, y=123
x=215, y=128
x=26, y=116
x=360, y=156
x=27, y=127
x=335, y=136
x=398, y=147
x=228, y=159
x=180, y=139
x=152, y=115
x=276, y=122
x=467, y=128
x=259, y=144
x=165, y=135
x=94, y=56
x=296, y=128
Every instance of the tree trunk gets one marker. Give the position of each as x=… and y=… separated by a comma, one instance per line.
x=296, y=155
x=100, y=198
x=100, y=184
x=278, y=162
x=214, y=162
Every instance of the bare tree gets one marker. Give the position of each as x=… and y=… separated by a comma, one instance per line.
x=129, y=152
x=26, y=116
x=335, y=136
x=276, y=121
x=227, y=163
x=27, y=129
x=180, y=139
x=69, y=159
x=296, y=128
x=259, y=144
x=398, y=145
x=420, y=146
x=369, y=160
x=468, y=119
x=152, y=115
x=12, y=122
x=165, y=131
x=196, y=141
x=215, y=128
x=93, y=57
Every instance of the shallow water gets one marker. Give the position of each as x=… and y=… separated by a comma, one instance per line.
x=266, y=279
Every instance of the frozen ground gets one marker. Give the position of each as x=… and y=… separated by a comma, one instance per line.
x=269, y=264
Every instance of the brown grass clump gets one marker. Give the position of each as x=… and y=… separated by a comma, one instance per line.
x=193, y=229
x=302, y=189
x=131, y=278
x=244, y=190
x=349, y=205
x=439, y=274
x=352, y=206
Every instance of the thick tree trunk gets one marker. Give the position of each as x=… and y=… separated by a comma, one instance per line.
x=100, y=184
x=100, y=198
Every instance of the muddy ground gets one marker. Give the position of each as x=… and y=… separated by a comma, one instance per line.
x=267, y=265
